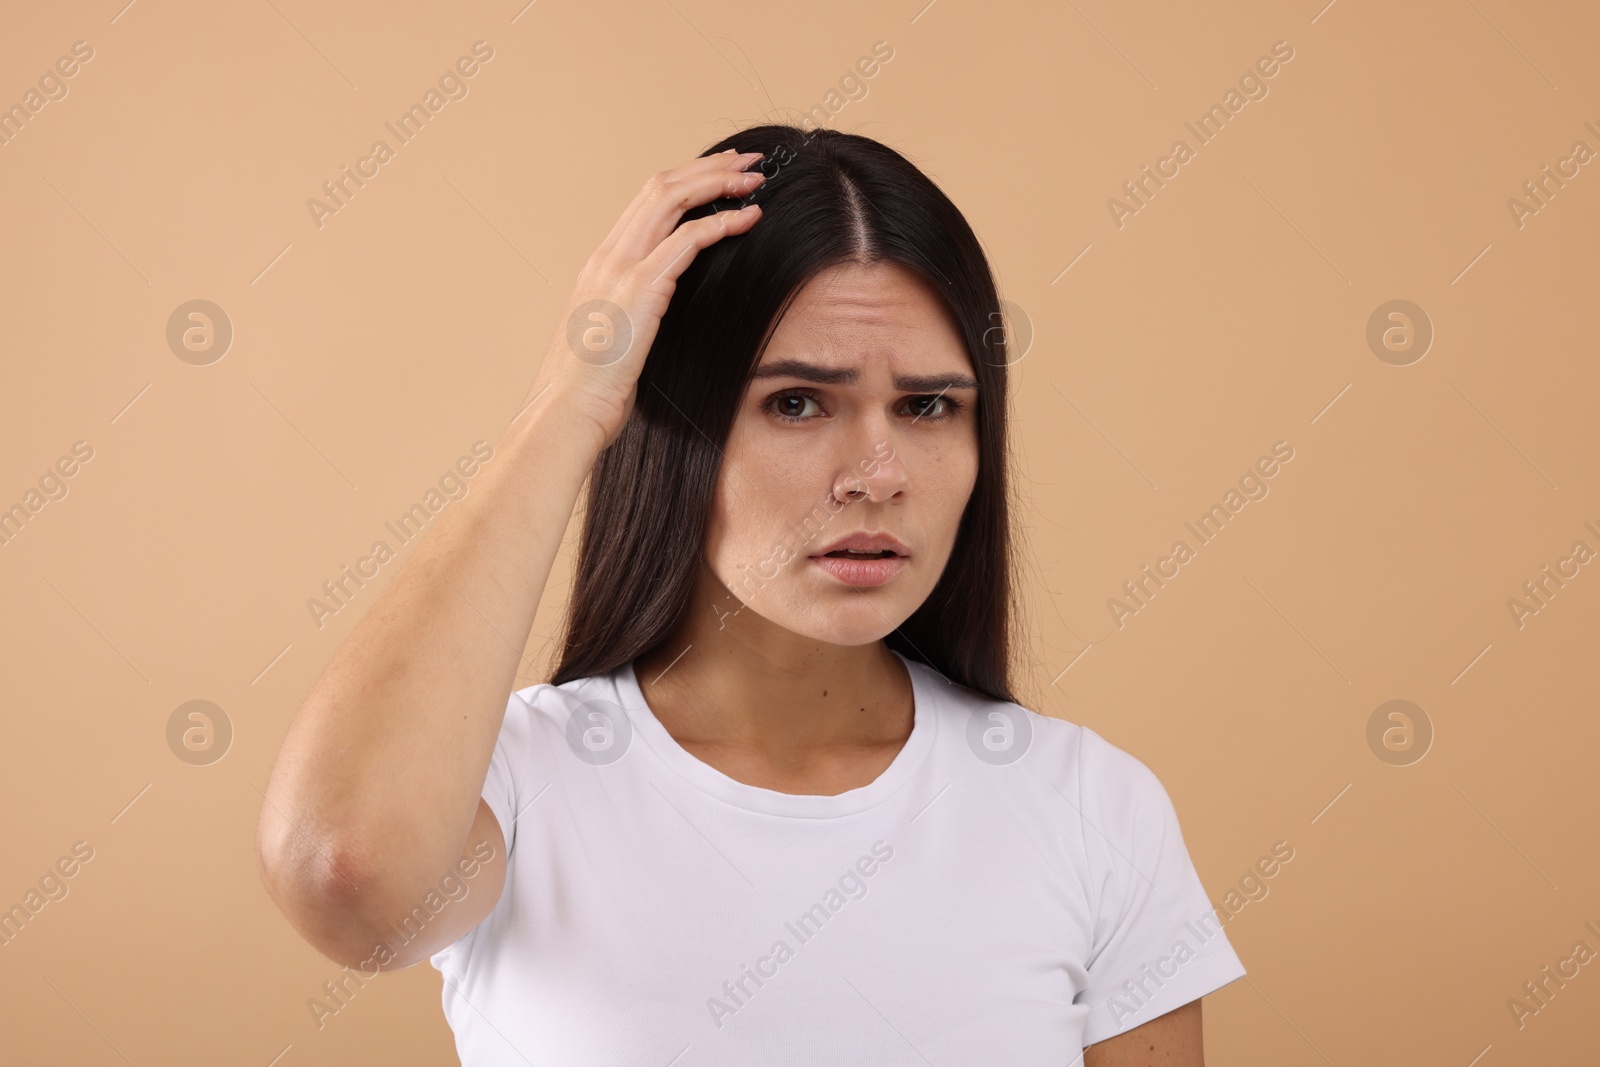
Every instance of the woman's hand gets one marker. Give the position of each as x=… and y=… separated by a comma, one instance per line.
x=610, y=320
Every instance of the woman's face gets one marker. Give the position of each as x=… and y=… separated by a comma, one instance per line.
x=861, y=421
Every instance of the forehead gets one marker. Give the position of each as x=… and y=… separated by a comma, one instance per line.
x=854, y=312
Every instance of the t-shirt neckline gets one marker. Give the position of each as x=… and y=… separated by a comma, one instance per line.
x=769, y=801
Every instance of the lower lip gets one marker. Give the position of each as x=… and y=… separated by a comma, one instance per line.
x=861, y=573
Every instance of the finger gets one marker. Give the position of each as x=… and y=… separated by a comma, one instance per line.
x=667, y=195
x=655, y=211
x=717, y=161
x=673, y=255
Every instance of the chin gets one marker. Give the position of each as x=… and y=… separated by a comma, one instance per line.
x=845, y=628
x=843, y=617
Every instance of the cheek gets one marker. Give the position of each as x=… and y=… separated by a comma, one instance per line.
x=757, y=493
x=718, y=523
x=733, y=542
x=952, y=474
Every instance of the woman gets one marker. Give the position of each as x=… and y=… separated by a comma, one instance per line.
x=777, y=804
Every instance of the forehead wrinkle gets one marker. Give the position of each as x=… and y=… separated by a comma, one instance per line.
x=865, y=328
x=841, y=322
x=844, y=304
x=833, y=354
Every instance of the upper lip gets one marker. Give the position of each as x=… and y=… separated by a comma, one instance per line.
x=866, y=542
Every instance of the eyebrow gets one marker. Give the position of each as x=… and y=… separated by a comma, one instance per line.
x=794, y=368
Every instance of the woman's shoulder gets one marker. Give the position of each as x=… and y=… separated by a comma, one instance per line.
x=546, y=706
x=1053, y=751
x=545, y=698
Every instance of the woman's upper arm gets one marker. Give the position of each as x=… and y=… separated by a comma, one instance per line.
x=468, y=897
x=1170, y=1040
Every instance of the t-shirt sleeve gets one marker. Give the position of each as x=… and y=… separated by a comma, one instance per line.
x=501, y=790
x=500, y=786
x=1157, y=942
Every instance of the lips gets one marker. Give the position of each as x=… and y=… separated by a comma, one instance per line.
x=865, y=544
x=863, y=559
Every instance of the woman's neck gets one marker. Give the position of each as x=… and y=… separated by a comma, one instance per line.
x=769, y=707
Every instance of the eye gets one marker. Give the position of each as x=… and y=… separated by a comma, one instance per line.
x=932, y=407
x=793, y=405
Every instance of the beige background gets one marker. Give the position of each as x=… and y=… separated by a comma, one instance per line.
x=1229, y=313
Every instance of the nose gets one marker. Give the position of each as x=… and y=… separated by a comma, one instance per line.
x=870, y=470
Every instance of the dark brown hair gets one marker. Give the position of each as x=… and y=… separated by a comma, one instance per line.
x=829, y=198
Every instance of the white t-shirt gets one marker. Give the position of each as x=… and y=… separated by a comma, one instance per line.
x=1011, y=888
